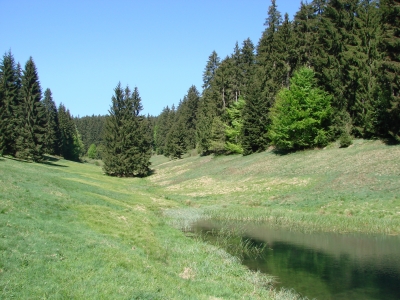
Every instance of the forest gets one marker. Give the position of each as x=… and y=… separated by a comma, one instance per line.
x=332, y=73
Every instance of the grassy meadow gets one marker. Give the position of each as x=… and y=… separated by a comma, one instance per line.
x=67, y=231
x=355, y=189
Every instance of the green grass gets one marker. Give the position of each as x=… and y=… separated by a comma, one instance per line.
x=355, y=189
x=69, y=232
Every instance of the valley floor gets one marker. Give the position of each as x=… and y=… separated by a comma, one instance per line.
x=67, y=231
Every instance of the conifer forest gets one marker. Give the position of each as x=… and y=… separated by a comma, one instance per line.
x=332, y=73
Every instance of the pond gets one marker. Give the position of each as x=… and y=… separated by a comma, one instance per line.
x=319, y=265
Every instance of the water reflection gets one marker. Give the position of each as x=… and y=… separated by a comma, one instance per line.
x=324, y=265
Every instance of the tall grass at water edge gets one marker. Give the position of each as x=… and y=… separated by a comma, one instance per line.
x=355, y=189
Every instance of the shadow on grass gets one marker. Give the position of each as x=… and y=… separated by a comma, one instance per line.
x=391, y=142
x=50, y=161
x=282, y=152
x=149, y=173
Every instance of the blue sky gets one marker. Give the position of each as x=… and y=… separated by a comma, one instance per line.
x=83, y=48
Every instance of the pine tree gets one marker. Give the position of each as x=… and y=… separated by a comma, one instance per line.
x=255, y=117
x=246, y=66
x=207, y=111
x=391, y=65
x=162, y=127
x=217, y=136
x=176, y=144
x=9, y=104
x=210, y=69
x=263, y=86
x=33, y=119
x=364, y=63
x=331, y=63
x=52, y=137
x=221, y=83
x=304, y=26
x=127, y=145
x=189, y=114
x=236, y=73
x=71, y=144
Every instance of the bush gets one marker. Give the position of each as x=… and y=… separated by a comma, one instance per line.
x=345, y=140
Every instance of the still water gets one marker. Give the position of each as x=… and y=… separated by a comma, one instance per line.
x=323, y=265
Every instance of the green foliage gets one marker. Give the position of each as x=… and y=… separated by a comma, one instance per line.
x=176, y=144
x=301, y=114
x=92, y=152
x=91, y=129
x=127, y=136
x=345, y=140
x=234, y=127
x=52, y=137
x=217, y=136
x=207, y=111
x=32, y=116
x=390, y=80
x=255, y=116
x=10, y=107
x=72, y=146
x=210, y=69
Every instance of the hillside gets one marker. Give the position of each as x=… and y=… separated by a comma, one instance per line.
x=332, y=189
x=69, y=231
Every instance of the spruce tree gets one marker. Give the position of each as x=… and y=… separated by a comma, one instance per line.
x=52, y=136
x=162, y=127
x=263, y=86
x=10, y=108
x=391, y=66
x=304, y=27
x=189, y=115
x=217, y=136
x=236, y=73
x=331, y=63
x=176, y=144
x=127, y=147
x=70, y=140
x=364, y=63
x=210, y=69
x=207, y=111
x=255, y=116
x=33, y=119
x=246, y=66
x=221, y=83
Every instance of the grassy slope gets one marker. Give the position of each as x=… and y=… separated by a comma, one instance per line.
x=69, y=232
x=342, y=190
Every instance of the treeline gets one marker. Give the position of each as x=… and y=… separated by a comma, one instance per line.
x=30, y=124
x=331, y=73
x=91, y=130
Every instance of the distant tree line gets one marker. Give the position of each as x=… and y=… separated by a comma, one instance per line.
x=30, y=124
x=333, y=72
